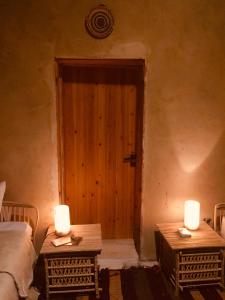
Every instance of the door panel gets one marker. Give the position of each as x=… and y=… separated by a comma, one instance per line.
x=99, y=122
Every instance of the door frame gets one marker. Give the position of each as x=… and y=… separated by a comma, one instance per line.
x=112, y=63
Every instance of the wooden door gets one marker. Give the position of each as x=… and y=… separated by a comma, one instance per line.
x=100, y=122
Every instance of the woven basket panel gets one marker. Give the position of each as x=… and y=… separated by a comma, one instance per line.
x=200, y=257
x=70, y=272
x=200, y=267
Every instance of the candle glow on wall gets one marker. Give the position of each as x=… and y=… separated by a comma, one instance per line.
x=62, y=220
x=191, y=214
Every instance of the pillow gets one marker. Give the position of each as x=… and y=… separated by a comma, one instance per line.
x=2, y=192
x=16, y=226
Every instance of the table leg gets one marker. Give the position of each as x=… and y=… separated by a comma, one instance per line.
x=46, y=279
x=177, y=274
x=96, y=279
x=222, y=268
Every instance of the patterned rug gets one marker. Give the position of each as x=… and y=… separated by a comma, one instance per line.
x=149, y=284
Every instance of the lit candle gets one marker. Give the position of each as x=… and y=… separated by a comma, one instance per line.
x=62, y=220
x=191, y=214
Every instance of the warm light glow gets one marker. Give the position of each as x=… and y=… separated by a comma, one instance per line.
x=62, y=219
x=195, y=141
x=191, y=214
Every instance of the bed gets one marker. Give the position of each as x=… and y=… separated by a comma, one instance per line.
x=219, y=216
x=18, y=224
x=219, y=219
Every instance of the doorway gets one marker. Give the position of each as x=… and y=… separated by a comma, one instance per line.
x=100, y=116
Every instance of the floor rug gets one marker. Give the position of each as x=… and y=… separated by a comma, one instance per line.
x=150, y=284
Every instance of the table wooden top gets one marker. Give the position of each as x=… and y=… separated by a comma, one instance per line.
x=204, y=237
x=91, y=240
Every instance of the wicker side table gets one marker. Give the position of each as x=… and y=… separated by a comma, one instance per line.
x=72, y=268
x=194, y=261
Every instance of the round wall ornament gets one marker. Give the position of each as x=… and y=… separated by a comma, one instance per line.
x=99, y=22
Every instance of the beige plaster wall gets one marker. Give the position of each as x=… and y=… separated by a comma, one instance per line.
x=183, y=43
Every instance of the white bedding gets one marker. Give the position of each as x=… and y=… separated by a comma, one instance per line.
x=222, y=227
x=17, y=256
x=8, y=289
x=2, y=192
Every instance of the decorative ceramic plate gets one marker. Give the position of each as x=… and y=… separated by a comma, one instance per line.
x=99, y=23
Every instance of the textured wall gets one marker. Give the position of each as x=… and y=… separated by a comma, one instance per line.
x=183, y=43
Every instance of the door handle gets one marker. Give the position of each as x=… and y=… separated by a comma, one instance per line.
x=132, y=159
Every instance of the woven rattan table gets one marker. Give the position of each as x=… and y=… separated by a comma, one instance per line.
x=72, y=268
x=193, y=261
